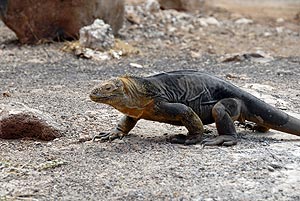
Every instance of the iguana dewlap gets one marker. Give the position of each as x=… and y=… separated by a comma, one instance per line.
x=191, y=99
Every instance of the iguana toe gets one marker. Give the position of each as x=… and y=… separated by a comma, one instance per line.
x=100, y=136
x=222, y=140
x=193, y=139
x=178, y=139
x=109, y=136
x=186, y=139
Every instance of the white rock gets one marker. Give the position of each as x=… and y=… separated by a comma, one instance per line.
x=279, y=29
x=212, y=21
x=152, y=6
x=280, y=20
x=195, y=54
x=136, y=65
x=267, y=34
x=202, y=22
x=244, y=21
x=91, y=113
x=116, y=54
x=92, y=54
x=172, y=29
x=98, y=36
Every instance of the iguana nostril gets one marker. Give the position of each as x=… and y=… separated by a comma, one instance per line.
x=95, y=91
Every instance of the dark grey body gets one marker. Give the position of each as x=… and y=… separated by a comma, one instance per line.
x=201, y=91
x=191, y=98
x=197, y=90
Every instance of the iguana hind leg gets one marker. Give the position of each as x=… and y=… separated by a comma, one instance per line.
x=224, y=113
x=180, y=114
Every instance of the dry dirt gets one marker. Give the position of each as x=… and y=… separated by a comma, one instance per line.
x=143, y=166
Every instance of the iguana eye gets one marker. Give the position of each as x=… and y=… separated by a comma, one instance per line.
x=108, y=87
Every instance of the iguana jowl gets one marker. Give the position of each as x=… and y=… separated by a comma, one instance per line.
x=191, y=99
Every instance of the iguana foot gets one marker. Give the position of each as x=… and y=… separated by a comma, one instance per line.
x=246, y=125
x=223, y=140
x=178, y=139
x=254, y=127
x=108, y=136
x=207, y=131
x=186, y=139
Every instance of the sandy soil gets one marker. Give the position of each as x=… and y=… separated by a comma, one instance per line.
x=143, y=166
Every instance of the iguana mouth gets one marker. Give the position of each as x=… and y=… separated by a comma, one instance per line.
x=98, y=98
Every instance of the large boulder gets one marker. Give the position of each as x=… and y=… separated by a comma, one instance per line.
x=181, y=5
x=37, y=20
x=19, y=121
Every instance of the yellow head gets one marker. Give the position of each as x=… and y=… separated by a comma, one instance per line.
x=109, y=92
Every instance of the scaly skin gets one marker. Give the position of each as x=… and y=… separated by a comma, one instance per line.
x=191, y=99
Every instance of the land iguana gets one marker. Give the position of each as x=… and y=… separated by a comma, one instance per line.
x=191, y=99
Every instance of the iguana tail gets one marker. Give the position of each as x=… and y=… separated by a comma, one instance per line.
x=292, y=126
x=268, y=116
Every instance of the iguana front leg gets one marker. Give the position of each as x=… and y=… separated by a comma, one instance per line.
x=177, y=113
x=124, y=126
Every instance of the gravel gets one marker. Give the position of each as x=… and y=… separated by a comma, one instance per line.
x=143, y=166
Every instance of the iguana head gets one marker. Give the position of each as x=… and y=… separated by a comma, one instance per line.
x=108, y=92
x=125, y=94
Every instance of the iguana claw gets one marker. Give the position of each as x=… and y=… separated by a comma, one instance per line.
x=247, y=125
x=186, y=139
x=108, y=136
x=178, y=139
x=223, y=140
x=254, y=127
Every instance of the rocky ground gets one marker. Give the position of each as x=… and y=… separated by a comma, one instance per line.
x=143, y=166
